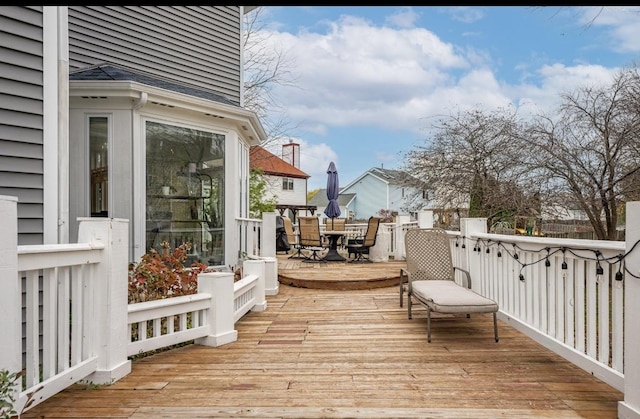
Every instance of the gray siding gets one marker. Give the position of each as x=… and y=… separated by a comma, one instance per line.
x=197, y=45
x=21, y=120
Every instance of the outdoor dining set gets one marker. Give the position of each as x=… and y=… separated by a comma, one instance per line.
x=311, y=243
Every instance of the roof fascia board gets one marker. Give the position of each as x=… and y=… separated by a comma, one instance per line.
x=246, y=120
x=368, y=172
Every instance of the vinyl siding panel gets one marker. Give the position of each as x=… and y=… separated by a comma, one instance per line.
x=196, y=45
x=21, y=120
x=371, y=196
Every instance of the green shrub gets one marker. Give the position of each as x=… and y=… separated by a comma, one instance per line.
x=7, y=394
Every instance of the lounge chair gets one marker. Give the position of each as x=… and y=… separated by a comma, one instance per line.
x=430, y=279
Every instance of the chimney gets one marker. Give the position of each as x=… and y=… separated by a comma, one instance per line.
x=291, y=153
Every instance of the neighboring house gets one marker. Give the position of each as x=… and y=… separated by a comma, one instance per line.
x=131, y=112
x=346, y=202
x=562, y=213
x=384, y=189
x=285, y=181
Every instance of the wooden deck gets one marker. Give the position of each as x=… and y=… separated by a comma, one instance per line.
x=332, y=353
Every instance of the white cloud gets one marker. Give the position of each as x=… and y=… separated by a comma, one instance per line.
x=623, y=21
x=463, y=13
x=405, y=18
x=403, y=76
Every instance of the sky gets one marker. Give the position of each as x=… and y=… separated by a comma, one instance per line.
x=368, y=82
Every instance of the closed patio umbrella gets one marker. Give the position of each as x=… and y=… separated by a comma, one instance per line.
x=333, y=187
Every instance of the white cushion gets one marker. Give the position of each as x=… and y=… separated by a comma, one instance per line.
x=449, y=297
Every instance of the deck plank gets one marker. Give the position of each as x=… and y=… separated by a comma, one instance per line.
x=348, y=353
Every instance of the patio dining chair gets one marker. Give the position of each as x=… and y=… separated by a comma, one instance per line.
x=293, y=238
x=335, y=224
x=430, y=279
x=309, y=238
x=359, y=246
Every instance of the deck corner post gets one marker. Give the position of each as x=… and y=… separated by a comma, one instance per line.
x=425, y=219
x=10, y=297
x=220, y=315
x=268, y=236
x=110, y=297
x=257, y=267
x=630, y=407
x=271, y=283
x=399, y=251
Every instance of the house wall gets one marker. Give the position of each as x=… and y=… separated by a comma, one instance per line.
x=298, y=196
x=21, y=117
x=371, y=196
x=198, y=45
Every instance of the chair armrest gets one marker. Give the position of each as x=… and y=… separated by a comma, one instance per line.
x=467, y=275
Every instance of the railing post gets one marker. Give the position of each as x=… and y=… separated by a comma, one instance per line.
x=110, y=296
x=10, y=297
x=257, y=267
x=220, y=314
x=271, y=283
x=268, y=237
x=468, y=228
x=630, y=407
x=425, y=219
x=399, y=251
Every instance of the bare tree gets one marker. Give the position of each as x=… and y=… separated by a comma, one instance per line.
x=266, y=65
x=475, y=160
x=590, y=150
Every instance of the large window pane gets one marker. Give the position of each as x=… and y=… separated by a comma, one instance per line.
x=185, y=190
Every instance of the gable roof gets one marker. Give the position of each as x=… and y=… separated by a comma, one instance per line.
x=270, y=164
x=106, y=72
x=320, y=199
x=389, y=176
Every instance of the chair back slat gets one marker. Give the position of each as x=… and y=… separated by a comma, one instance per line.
x=428, y=254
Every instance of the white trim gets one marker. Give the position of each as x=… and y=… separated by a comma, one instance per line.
x=54, y=146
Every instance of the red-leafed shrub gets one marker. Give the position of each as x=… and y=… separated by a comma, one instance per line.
x=163, y=274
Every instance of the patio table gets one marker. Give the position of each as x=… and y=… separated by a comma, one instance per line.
x=334, y=236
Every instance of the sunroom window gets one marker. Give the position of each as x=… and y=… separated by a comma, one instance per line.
x=185, y=190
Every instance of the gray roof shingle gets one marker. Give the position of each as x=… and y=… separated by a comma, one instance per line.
x=113, y=72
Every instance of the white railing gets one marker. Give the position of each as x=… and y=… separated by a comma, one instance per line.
x=578, y=298
x=563, y=293
x=208, y=316
x=68, y=311
x=256, y=237
x=76, y=308
x=55, y=274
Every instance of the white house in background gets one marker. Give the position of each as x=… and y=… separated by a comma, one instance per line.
x=383, y=189
x=285, y=181
x=561, y=213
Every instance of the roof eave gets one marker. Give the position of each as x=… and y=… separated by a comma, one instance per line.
x=246, y=121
